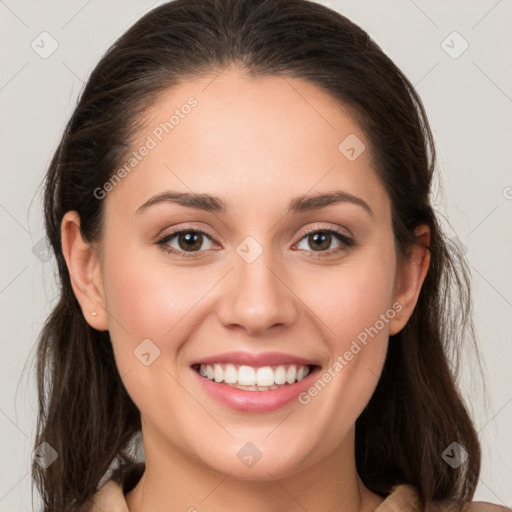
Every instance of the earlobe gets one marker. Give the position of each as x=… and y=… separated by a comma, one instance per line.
x=410, y=277
x=84, y=271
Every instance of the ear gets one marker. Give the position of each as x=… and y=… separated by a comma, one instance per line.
x=410, y=276
x=84, y=271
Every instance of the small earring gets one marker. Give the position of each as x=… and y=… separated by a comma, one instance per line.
x=93, y=313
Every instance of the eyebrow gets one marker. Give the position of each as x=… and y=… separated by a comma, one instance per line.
x=300, y=204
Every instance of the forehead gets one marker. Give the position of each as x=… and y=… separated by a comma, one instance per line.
x=237, y=136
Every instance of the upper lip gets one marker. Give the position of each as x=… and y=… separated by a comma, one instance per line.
x=256, y=360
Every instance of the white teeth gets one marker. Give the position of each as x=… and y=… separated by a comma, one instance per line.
x=255, y=379
x=218, y=374
x=246, y=376
x=280, y=375
x=230, y=374
x=265, y=376
x=291, y=374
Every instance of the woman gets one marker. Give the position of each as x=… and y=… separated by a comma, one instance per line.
x=253, y=277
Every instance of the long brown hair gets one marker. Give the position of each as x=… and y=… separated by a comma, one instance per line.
x=416, y=412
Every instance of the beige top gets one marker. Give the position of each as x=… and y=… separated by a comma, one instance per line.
x=402, y=498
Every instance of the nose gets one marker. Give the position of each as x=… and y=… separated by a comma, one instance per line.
x=258, y=296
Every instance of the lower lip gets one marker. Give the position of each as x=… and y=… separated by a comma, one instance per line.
x=256, y=401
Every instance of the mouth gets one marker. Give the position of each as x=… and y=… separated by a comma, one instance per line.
x=255, y=378
x=255, y=383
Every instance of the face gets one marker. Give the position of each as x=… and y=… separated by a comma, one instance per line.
x=259, y=284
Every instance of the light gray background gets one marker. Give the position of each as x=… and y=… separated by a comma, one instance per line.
x=469, y=103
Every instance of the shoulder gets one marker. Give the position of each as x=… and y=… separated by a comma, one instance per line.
x=484, y=506
x=474, y=506
x=404, y=498
x=111, y=496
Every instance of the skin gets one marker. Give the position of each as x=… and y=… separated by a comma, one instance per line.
x=257, y=143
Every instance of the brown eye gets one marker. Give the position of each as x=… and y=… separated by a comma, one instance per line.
x=320, y=241
x=190, y=240
x=185, y=242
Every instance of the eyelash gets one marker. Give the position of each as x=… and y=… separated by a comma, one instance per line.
x=345, y=241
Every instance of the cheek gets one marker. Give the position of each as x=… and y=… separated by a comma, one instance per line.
x=150, y=300
x=354, y=304
x=350, y=298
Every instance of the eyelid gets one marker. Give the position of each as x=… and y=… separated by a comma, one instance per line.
x=346, y=242
x=346, y=239
x=180, y=228
x=319, y=227
x=162, y=239
x=302, y=233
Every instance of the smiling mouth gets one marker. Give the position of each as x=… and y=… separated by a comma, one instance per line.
x=251, y=378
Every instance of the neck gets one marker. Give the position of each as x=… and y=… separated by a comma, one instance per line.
x=174, y=481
